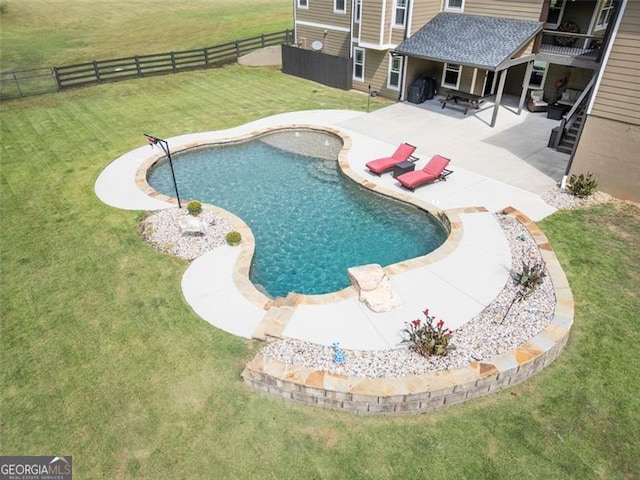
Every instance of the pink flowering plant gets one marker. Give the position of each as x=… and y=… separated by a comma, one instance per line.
x=428, y=337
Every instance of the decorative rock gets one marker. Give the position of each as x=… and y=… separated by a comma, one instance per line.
x=374, y=288
x=191, y=225
x=161, y=229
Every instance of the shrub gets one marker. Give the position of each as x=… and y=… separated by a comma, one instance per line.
x=582, y=185
x=531, y=276
x=194, y=208
x=427, y=338
x=233, y=238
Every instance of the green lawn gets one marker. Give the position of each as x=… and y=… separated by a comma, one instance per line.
x=45, y=33
x=101, y=358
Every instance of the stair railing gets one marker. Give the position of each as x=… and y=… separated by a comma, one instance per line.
x=572, y=115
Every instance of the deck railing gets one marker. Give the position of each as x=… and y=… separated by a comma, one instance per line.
x=571, y=44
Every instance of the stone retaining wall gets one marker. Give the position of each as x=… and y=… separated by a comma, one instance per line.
x=432, y=390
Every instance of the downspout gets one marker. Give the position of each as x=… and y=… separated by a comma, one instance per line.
x=596, y=87
x=403, y=73
x=295, y=25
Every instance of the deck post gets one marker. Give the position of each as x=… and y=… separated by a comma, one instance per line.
x=525, y=86
x=503, y=77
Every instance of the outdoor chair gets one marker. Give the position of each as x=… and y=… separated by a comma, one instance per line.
x=403, y=153
x=536, y=102
x=434, y=170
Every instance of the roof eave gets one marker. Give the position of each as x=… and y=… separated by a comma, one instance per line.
x=440, y=60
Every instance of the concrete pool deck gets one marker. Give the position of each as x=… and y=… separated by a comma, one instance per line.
x=455, y=282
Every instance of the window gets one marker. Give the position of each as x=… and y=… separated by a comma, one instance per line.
x=451, y=75
x=303, y=3
x=358, y=13
x=358, y=64
x=454, y=5
x=605, y=15
x=556, y=9
x=538, y=74
x=399, y=13
x=339, y=6
x=395, y=67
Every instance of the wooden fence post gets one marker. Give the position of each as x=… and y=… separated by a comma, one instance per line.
x=96, y=71
x=237, y=49
x=15, y=79
x=56, y=77
x=138, y=65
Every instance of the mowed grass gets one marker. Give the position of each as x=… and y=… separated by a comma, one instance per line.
x=44, y=33
x=100, y=357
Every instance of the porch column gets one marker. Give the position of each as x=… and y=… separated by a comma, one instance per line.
x=525, y=86
x=503, y=77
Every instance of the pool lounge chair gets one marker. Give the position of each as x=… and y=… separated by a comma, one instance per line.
x=403, y=152
x=434, y=170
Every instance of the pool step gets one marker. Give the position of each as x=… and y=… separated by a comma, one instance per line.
x=324, y=171
x=277, y=317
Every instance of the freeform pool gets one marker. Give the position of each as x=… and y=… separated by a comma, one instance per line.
x=310, y=222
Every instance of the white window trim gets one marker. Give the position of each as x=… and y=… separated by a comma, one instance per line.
x=444, y=74
x=357, y=8
x=603, y=26
x=305, y=6
x=544, y=77
x=395, y=23
x=557, y=24
x=447, y=8
x=335, y=7
x=390, y=70
x=358, y=49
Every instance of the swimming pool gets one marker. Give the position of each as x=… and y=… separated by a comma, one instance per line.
x=310, y=222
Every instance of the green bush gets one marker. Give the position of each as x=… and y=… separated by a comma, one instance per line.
x=233, y=238
x=582, y=185
x=194, y=208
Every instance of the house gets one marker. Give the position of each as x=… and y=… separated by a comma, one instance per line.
x=581, y=56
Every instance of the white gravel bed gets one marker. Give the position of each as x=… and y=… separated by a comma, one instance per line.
x=161, y=230
x=565, y=200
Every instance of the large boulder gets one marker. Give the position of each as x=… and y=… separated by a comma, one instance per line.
x=374, y=288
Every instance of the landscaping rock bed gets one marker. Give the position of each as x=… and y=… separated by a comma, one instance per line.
x=162, y=230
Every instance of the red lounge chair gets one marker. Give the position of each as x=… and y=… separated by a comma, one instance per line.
x=434, y=170
x=402, y=153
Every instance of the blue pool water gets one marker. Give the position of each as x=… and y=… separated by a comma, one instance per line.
x=310, y=222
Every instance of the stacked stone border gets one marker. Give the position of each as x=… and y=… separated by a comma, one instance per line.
x=432, y=390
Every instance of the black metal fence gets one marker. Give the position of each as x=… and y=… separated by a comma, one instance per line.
x=322, y=68
x=22, y=83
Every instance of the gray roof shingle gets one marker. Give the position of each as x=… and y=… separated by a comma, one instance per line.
x=480, y=41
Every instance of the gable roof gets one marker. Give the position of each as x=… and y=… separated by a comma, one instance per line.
x=475, y=40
